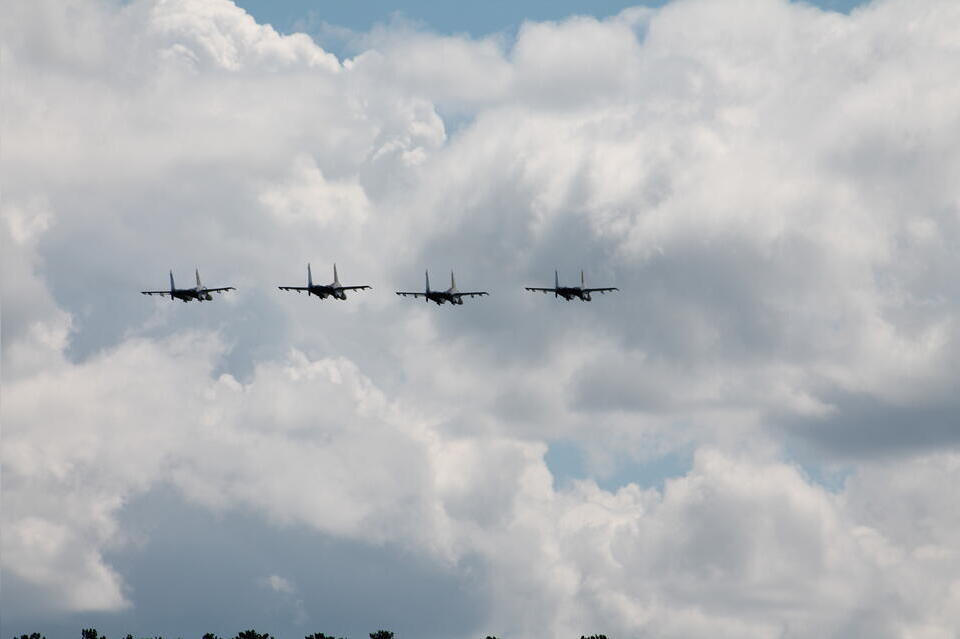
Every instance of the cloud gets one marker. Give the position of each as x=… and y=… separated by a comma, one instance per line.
x=771, y=187
x=279, y=584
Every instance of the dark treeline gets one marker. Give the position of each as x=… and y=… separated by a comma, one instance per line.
x=91, y=633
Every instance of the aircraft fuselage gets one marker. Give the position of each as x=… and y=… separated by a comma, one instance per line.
x=570, y=292
x=323, y=292
x=190, y=294
x=444, y=297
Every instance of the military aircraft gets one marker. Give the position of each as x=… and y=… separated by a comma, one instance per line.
x=199, y=293
x=451, y=295
x=323, y=291
x=570, y=292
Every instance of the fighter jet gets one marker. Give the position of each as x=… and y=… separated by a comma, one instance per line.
x=199, y=293
x=570, y=292
x=334, y=289
x=451, y=295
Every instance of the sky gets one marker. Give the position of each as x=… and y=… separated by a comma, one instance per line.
x=757, y=436
x=475, y=19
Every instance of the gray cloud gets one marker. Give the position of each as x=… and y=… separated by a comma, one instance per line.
x=866, y=425
x=190, y=571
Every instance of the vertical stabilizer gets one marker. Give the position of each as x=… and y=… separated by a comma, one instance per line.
x=453, y=284
x=173, y=286
x=427, y=275
x=556, y=279
x=309, y=276
x=582, y=283
x=336, y=280
x=199, y=285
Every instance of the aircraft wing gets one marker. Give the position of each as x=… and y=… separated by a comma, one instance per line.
x=222, y=289
x=293, y=288
x=600, y=290
x=351, y=288
x=472, y=294
x=542, y=290
x=410, y=293
x=155, y=292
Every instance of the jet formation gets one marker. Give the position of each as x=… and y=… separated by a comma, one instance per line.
x=570, y=292
x=199, y=292
x=323, y=291
x=452, y=295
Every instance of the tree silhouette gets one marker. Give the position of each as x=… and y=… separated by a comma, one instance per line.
x=91, y=633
